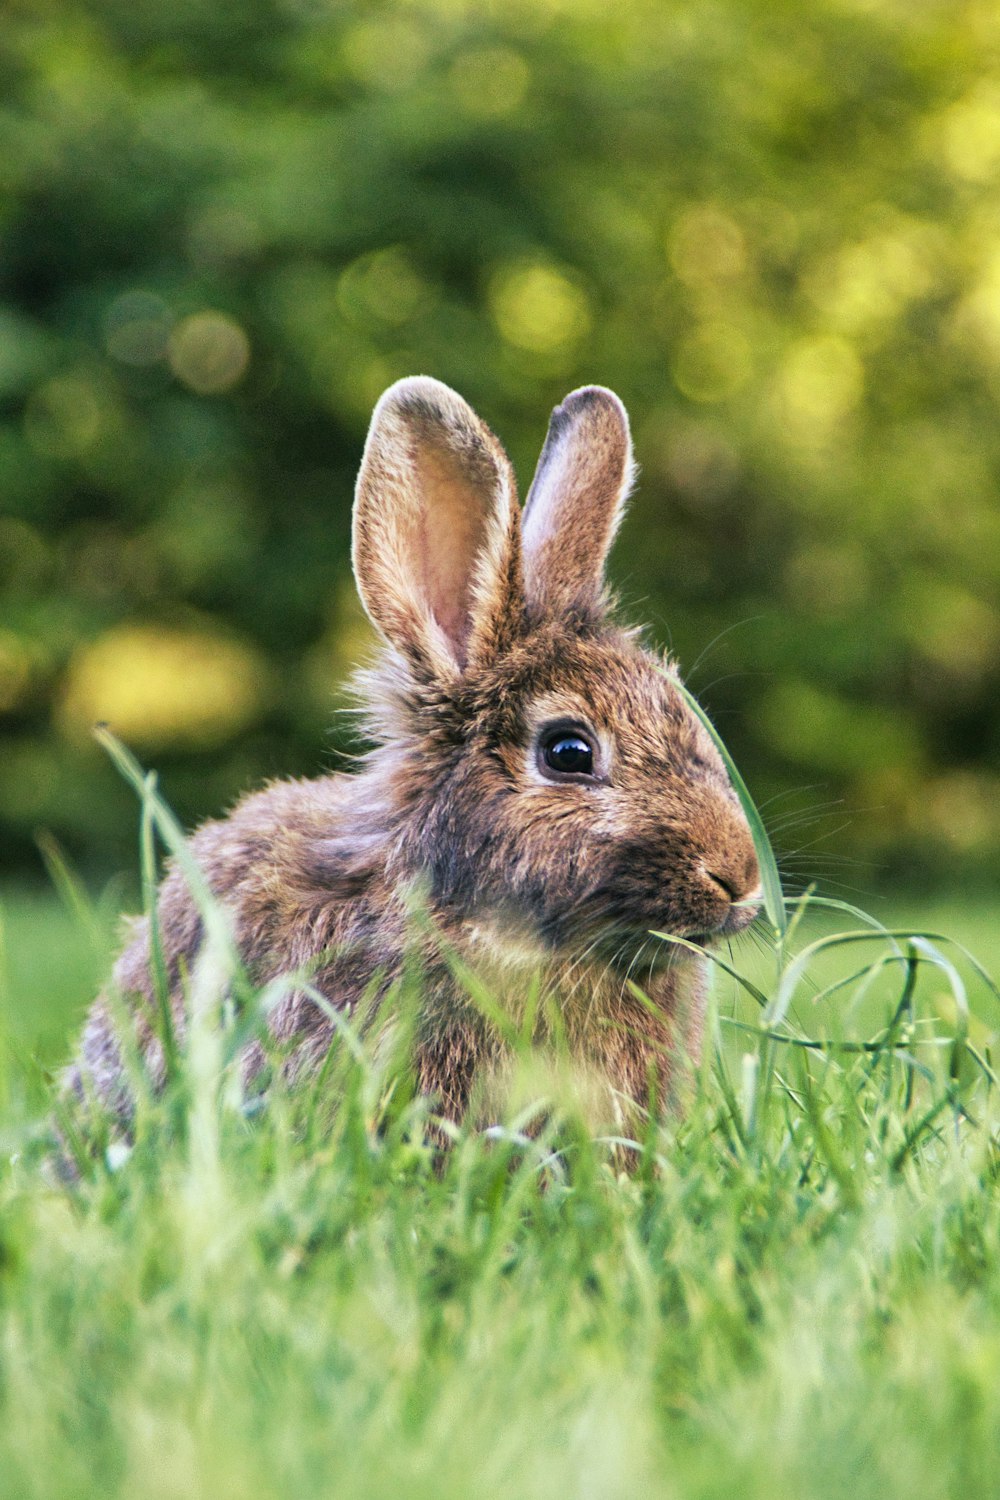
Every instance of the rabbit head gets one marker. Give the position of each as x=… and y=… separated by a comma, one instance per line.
x=551, y=784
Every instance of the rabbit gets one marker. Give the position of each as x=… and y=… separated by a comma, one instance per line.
x=535, y=775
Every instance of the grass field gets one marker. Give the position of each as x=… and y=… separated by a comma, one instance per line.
x=795, y=1292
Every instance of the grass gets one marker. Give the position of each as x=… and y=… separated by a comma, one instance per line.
x=795, y=1291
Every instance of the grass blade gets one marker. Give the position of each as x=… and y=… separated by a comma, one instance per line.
x=774, y=899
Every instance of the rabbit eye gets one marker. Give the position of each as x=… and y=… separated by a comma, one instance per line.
x=567, y=752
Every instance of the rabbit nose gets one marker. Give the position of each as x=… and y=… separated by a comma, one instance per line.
x=725, y=873
x=737, y=879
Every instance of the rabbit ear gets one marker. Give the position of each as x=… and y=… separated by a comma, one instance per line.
x=577, y=499
x=436, y=547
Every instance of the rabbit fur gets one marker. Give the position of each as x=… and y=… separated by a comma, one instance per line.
x=496, y=626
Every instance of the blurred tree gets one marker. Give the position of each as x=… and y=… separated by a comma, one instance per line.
x=775, y=232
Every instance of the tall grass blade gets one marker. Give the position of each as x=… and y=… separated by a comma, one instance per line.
x=774, y=898
x=71, y=890
x=715, y=958
x=172, y=835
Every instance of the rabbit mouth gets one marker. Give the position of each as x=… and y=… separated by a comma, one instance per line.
x=736, y=921
x=625, y=945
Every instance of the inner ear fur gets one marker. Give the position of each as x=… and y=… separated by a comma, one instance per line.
x=435, y=543
x=577, y=500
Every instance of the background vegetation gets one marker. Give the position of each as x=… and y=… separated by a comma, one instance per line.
x=775, y=230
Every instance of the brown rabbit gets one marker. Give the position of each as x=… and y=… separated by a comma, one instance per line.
x=535, y=774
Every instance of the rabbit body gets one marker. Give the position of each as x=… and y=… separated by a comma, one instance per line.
x=537, y=781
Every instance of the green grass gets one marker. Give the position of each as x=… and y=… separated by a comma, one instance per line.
x=795, y=1290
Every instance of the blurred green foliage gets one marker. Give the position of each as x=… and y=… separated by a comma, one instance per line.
x=774, y=229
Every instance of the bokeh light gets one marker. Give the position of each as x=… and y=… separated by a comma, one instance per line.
x=164, y=687
x=209, y=352
x=539, y=308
